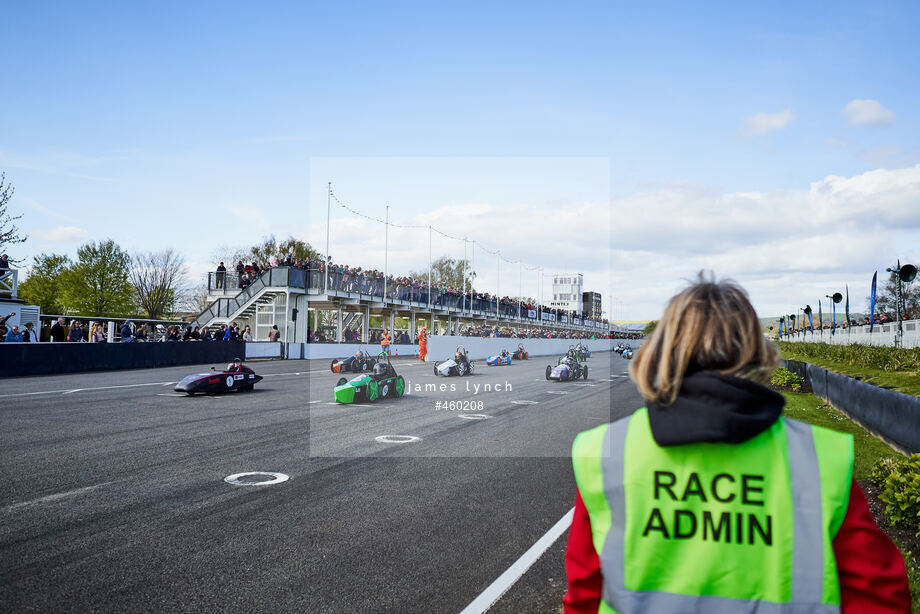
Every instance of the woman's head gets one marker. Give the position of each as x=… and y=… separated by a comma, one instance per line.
x=709, y=326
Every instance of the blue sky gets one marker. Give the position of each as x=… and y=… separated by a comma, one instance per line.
x=197, y=125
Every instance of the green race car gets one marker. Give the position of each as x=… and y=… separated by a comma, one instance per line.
x=381, y=382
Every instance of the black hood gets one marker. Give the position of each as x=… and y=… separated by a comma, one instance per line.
x=715, y=407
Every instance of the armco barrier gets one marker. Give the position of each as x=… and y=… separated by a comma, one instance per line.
x=441, y=347
x=893, y=415
x=48, y=358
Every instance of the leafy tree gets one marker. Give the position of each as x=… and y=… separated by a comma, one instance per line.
x=448, y=271
x=270, y=248
x=158, y=279
x=9, y=232
x=97, y=284
x=44, y=285
x=887, y=298
x=650, y=327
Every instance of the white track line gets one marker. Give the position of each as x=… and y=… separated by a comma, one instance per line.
x=505, y=581
x=55, y=497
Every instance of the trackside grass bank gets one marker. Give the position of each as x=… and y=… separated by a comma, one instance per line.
x=895, y=368
x=868, y=450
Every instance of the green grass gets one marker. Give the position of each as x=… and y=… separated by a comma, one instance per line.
x=867, y=448
x=858, y=363
x=867, y=451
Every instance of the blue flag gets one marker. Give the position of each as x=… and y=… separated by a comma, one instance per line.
x=820, y=316
x=872, y=302
x=811, y=319
x=833, y=316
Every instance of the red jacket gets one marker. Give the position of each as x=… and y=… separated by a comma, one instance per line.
x=873, y=579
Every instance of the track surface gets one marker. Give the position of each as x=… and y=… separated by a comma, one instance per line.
x=114, y=498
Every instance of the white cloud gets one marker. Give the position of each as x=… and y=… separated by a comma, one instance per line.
x=836, y=143
x=787, y=248
x=63, y=234
x=868, y=113
x=765, y=123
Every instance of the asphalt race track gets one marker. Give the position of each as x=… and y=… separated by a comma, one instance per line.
x=114, y=497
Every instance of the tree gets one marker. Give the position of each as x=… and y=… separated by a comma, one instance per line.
x=9, y=232
x=158, y=279
x=269, y=249
x=650, y=327
x=886, y=300
x=44, y=286
x=97, y=284
x=448, y=271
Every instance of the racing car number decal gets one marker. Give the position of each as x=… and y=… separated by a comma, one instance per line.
x=229, y=381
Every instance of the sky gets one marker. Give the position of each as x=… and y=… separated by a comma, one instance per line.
x=635, y=143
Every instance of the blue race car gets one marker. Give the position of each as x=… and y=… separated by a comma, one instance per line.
x=567, y=370
x=502, y=359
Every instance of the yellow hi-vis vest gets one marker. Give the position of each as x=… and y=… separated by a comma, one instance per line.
x=715, y=528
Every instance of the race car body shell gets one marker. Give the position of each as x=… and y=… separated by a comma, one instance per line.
x=218, y=381
x=497, y=361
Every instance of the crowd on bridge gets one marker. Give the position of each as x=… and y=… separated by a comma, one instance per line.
x=372, y=282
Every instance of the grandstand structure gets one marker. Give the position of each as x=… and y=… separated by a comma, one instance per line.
x=300, y=301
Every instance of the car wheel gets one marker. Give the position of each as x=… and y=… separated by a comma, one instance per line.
x=586, y=372
x=549, y=370
x=364, y=365
x=385, y=390
x=332, y=366
x=461, y=369
x=436, y=369
x=372, y=392
x=400, y=386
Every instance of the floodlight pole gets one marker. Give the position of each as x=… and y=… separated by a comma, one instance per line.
x=326, y=264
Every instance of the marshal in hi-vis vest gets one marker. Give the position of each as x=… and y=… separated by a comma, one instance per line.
x=715, y=528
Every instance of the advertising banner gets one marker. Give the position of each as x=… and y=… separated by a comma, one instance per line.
x=531, y=313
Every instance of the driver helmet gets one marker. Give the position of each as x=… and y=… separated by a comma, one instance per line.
x=380, y=369
x=235, y=365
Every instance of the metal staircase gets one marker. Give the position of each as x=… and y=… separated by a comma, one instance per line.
x=262, y=291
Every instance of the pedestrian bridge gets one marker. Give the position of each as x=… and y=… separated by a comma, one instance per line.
x=301, y=303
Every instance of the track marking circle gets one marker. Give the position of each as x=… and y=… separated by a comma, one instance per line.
x=245, y=479
x=397, y=439
x=474, y=416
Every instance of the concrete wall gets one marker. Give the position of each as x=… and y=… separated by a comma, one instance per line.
x=340, y=350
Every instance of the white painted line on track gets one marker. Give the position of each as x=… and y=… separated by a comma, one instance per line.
x=557, y=392
x=474, y=416
x=171, y=394
x=237, y=478
x=72, y=390
x=343, y=404
x=397, y=439
x=312, y=402
x=585, y=384
x=55, y=497
x=494, y=591
x=524, y=402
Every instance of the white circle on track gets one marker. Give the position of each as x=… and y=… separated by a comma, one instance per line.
x=397, y=439
x=237, y=479
x=474, y=416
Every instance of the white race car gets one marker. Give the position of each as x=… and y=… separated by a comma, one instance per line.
x=458, y=365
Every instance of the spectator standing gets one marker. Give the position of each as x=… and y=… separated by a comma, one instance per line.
x=59, y=331
x=247, y=334
x=76, y=332
x=274, y=334
x=385, y=342
x=220, y=277
x=422, y=344
x=4, y=263
x=14, y=336
x=3, y=321
x=98, y=334
x=30, y=335
x=141, y=333
x=127, y=335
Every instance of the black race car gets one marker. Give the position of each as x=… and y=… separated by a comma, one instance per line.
x=360, y=362
x=235, y=377
x=520, y=353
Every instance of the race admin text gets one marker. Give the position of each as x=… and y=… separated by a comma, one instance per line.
x=715, y=525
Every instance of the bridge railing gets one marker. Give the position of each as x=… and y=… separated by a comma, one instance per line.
x=9, y=283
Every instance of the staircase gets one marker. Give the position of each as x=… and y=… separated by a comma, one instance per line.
x=244, y=305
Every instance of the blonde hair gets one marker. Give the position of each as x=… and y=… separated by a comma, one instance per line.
x=710, y=326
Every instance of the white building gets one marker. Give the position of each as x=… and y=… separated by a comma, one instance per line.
x=567, y=291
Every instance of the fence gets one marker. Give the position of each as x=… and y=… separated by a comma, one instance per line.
x=881, y=335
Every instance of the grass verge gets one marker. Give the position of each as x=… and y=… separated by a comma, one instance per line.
x=858, y=362
x=867, y=449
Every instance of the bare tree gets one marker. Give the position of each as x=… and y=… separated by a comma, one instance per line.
x=159, y=281
x=9, y=232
